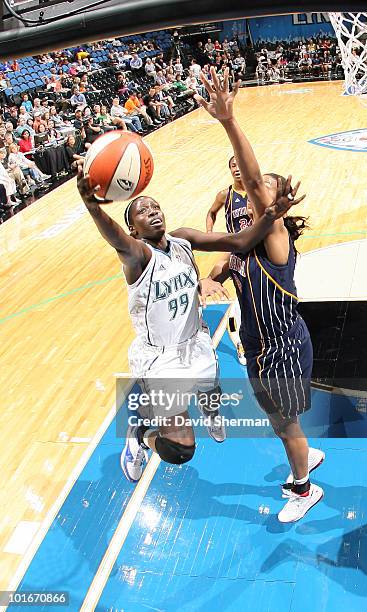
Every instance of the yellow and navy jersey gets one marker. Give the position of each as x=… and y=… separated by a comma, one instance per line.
x=267, y=294
x=235, y=210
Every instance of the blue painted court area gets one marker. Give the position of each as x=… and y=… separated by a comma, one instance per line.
x=206, y=536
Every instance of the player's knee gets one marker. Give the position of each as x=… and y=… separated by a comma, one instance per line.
x=173, y=452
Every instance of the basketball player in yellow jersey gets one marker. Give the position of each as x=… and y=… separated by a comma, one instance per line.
x=234, y=200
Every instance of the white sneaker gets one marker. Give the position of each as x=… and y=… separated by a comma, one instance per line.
x=133, y=457
x=216, y=429
x=315, y=459
x=297, y=505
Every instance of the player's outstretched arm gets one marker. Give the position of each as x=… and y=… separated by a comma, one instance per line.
x=133, y=253
x=220, y=106
x=218, y=203
x=249, y=237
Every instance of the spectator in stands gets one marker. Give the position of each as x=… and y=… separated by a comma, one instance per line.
x=36, y=106
x=23, y=114
x=125, y=58
x=305, y=64
x=195, y=69
x=53, y=83
x=206, y=72
x=120, y=118
x=225, y=45
x=133, y=107
x=81, y=54
x=37, y=120
x=316, y=64
x=15, y=173
x=80, y=67
x=274, y=71
x=22, y=125
x=150, y=105
x=238, y=66
x=136, y=63
x=179, y=85
x=85, y=85
x=262, y=67
x=26, y=103
x=122, y=84
x=149, y=68
x=56, y=117
x=92, y=131
x=209, y=47
x=2, y=135
x=78, y=120
x=16, y=159
x=14, y=66
x=73, y=71
x=72, y=152
x=161, y=80
x=4, y=83
x=192, y=84
x=7, y=181
x=201, y=56
x=42, y=136
x=104, y=118
x=160, y=63
x=14, y=116
x=178, y=67
x=8, y=140
x=326, y=62
x=164, y=102
x=77, y=99
x=25, y=141
x=53, y=133
x=217, y=45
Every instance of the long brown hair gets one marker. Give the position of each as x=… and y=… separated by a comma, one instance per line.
x=296, y=225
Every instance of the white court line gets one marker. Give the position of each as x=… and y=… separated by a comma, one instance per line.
x=53, y=511
x=99, y=581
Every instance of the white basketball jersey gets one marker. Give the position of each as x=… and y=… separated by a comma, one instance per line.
x=164, y=301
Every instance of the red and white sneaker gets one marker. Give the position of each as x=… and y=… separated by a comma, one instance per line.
x=297, y=505
x=315, y=459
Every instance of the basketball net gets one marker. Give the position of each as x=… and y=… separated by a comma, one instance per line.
x=351, y=32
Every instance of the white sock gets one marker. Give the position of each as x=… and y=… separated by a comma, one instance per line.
x=302, y=481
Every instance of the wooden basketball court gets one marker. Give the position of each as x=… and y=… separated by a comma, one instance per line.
x=64, y=327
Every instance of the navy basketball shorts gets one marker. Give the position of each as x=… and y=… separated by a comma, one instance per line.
x=280, y=370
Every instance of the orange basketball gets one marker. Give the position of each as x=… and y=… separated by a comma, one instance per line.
x=121, y=163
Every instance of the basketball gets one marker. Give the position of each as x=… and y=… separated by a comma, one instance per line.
x=121, y=163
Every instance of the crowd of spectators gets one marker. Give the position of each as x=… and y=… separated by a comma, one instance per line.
x=318, y=57
x=46, y=131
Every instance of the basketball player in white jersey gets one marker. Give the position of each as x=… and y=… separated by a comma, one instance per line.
x=234, y=201
x=172, y=344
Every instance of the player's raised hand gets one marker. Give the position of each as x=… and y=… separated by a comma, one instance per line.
x=284, y=199
x=210, y=288
x=220, y=105
x=87, y=192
